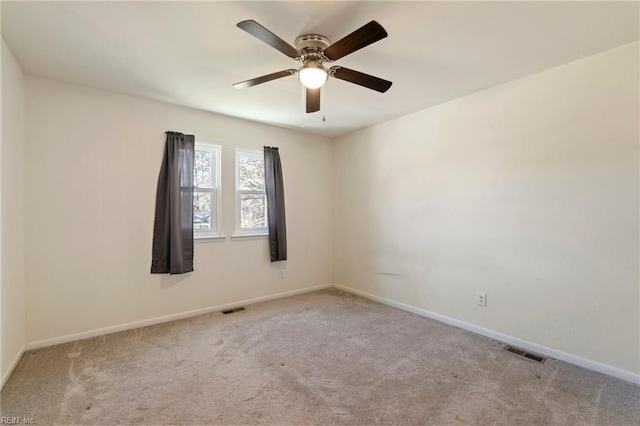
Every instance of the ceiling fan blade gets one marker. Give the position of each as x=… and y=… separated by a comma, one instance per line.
x=259, y=80
x=263, y=34
x=362, y=37
x=313, y=99
x=360, y=78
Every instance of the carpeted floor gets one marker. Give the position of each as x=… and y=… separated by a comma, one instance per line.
x=321, y=358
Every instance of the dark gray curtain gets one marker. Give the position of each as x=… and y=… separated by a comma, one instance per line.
x=275, y=204
x=173, y=226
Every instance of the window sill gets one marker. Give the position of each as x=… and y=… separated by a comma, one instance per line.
x=249, y=236
x=211, y=238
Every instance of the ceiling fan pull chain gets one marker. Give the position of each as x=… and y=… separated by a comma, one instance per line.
x=303, y=95
x=324, y=101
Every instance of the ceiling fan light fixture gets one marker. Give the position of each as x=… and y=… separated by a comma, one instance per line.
x=313, y=51
x=312, y=75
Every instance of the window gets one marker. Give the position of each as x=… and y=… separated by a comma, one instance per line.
x=251, y=200
x=206, y=194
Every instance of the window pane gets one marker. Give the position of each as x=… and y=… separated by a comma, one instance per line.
x=203, y=168
x=251, y=172
x=252, y=211
x=203, y=216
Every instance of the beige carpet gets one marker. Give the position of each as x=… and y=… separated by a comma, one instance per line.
x=321, y=358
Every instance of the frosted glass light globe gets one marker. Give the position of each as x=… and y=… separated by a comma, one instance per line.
x=312, y=76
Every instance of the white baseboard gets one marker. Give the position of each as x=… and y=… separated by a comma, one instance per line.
x=534, y=347
x=166, y=318
x=12, y=367
x=544, y=350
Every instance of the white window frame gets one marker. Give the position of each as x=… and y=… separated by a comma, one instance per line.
x=215, y=191
x=239, y=192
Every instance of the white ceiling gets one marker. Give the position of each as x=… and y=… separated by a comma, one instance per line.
x=191, y=53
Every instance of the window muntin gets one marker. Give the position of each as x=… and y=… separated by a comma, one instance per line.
x=251, y=200
x=206, y=193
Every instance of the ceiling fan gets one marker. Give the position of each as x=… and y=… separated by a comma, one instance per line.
x=313, y=50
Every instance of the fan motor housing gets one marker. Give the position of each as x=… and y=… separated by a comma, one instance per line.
x=311, y=46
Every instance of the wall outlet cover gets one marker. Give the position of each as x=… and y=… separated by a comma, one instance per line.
x=482, y=299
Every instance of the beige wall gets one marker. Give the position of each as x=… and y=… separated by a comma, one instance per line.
x=12, y=294
x=527, y=191
x=92, y=163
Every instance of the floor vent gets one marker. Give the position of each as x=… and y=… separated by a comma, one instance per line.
x=230, y=311
x=524, y=353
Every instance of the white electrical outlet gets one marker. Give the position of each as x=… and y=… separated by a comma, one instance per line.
x=282, y=274
x=482, y=299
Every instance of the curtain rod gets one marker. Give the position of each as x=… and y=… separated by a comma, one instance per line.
x=261, y=147
x=227, y=144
